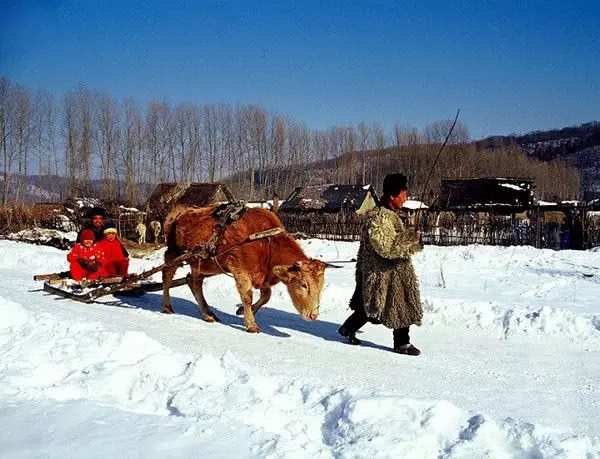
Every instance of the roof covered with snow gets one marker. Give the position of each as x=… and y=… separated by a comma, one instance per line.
x=328, y=198
x=486, y=193
x=414, y=204
x=167, y=195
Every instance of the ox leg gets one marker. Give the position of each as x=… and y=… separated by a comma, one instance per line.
x=167, y=276
x=244, y=287
x=196, y=282
x=265, y=296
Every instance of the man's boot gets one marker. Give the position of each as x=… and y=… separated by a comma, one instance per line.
x=349, y=328
x=349, y=335
x=402, y=342
x=407, y=349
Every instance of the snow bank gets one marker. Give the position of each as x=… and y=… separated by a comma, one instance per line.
x=506, y=290
x=514, y=290
x=44, y=358
x=13, y=315
x=42, y=235
x=507, y=321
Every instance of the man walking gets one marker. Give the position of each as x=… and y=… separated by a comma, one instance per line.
x=387, y=289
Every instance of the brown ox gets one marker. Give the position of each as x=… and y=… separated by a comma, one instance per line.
x=259, y=264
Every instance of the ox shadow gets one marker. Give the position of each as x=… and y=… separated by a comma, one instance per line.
x=153, y=302
x=270, y=320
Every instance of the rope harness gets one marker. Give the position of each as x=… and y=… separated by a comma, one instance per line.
x=226, y=214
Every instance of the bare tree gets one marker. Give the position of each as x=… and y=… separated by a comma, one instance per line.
x=6, y=138
x=256, y=151
x=436, y=132
x=364, y=144
x=78, y=140
x=160, y=141
x=131, y=149
x=212, y=138
x=49, y=159
x=379, y=152
x=107, y=135
x=153, y=172
x=351, y=149
x=23, y=132
x=277, y=148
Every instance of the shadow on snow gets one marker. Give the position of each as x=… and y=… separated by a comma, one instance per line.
x=270, y=320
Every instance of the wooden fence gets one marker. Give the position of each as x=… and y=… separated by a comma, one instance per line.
x=459, y=229
x=335, y=226
x=592, y=232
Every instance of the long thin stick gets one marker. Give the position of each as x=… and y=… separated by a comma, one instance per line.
x=435, y=164
x=438, y=155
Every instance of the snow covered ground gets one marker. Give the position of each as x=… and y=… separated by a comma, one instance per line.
x=510, y=366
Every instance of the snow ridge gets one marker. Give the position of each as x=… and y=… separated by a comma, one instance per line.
x=44, y=358
x=507, y=321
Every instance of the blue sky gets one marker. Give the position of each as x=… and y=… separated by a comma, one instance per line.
x=509, y=66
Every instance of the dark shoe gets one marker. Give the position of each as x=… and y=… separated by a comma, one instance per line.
x=350, y=336
x=407, y=349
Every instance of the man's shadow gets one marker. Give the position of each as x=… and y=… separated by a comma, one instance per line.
x=270, y=320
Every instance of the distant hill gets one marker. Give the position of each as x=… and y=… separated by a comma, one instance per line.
x=37, y=190
x=578, y=145
x=48, y=188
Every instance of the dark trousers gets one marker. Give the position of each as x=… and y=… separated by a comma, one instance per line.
x=358, y=319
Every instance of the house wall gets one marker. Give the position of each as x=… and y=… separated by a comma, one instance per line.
x=367, y=205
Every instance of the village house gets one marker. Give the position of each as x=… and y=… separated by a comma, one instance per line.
x=167, y=195
x=331, y=198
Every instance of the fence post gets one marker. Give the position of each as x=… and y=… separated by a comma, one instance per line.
x=538, y=228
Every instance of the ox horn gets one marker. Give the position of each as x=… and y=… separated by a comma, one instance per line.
x=329, y=265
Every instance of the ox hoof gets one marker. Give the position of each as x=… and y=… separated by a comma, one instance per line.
x=211, y=319
x=253, y=330
x=168, y=311
x=240, y=311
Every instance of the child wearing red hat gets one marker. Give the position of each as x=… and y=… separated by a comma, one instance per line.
x=116, y=262
x=86, y=258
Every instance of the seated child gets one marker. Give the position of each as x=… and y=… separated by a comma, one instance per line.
x=116, y=261
x=86, y=258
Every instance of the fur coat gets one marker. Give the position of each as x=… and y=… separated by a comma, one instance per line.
x=386, y=284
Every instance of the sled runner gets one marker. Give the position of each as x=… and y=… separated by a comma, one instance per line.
x=88, y=292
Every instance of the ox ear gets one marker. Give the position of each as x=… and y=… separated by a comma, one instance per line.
x=286, y=273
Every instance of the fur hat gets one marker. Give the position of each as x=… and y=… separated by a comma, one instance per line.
x=96, y=211
x=88, y=235
x=110, y=227
x=393, y=184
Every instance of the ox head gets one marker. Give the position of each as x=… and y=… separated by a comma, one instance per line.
x=304, y=281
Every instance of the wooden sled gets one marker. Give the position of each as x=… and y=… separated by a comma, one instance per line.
x=88, y=292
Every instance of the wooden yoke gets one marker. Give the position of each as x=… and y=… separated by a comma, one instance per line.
x=265, y=234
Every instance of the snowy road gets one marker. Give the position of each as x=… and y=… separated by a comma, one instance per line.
x=510, y=366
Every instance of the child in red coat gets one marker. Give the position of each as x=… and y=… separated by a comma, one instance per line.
x=116, y=262
x=86, y=258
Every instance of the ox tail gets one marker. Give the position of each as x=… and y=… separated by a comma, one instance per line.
x=172, y=249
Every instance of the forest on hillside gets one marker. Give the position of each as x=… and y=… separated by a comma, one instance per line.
x=550, y=144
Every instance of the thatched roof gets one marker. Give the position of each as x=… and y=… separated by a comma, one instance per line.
x=488, y=194
x=167, y=195
x=328, y=198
